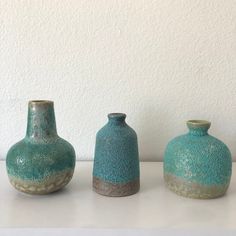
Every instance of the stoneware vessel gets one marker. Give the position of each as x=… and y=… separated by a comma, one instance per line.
x=42, y=162
x=196, y=164
x=116, y=161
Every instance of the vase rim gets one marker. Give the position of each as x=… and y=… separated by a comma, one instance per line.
x=116, y=115
x=40, y=102
x=199, y=123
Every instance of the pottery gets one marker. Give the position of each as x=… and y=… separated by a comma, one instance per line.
x=42, y=162
x=196, y=164
x=116, y=161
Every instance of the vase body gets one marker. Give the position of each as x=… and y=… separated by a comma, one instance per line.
x=116, y=160
x=196, y=164
x=42, y=162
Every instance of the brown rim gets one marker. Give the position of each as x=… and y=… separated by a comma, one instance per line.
x=198, y=123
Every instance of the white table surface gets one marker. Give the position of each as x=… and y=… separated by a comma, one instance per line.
x=77, y=206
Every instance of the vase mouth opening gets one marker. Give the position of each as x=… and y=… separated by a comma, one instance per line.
x=40, y=102
x=116, y=116
x=199, y=124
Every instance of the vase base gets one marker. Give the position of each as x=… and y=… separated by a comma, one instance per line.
x=115, y=190
x=48, y=185
x=193, y=190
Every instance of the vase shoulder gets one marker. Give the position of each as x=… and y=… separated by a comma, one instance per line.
x=109, y=131
x=36, y=160
x=200, y=145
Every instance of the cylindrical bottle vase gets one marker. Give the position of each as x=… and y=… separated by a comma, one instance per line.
x=116, y=161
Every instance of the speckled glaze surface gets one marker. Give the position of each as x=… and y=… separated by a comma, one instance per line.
x=42, y=162
x=196, y=164
x=116, y=161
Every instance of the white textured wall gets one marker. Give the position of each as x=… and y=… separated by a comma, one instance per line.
x=161, y=62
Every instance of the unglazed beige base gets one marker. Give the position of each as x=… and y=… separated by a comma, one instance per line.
x=193, y=190
x=115, y=190
x=48, y=185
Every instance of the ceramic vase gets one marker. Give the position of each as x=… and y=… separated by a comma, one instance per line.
x=42, y=162
x=116, y=161
x=196, y=164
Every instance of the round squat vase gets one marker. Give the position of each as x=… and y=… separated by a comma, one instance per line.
x=196, y=164
x=42, y=162
x=116, y=161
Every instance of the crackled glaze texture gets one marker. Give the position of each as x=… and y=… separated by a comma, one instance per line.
x=42, y=162
x=116, y=161
x=196, y=164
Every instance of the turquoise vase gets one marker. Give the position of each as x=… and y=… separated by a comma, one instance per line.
x=42, y=162
x=116, y=161
x=196, y=164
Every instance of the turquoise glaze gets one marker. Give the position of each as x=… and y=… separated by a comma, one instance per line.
x=42, y=162
x=116, y=158
x=197, y=164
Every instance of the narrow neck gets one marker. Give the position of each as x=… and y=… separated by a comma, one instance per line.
x=198, y=127
x=116, y=119
x=41, y=120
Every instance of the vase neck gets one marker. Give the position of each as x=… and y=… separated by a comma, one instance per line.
x=41, y=122
x=198, y=127
x=116, y=119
